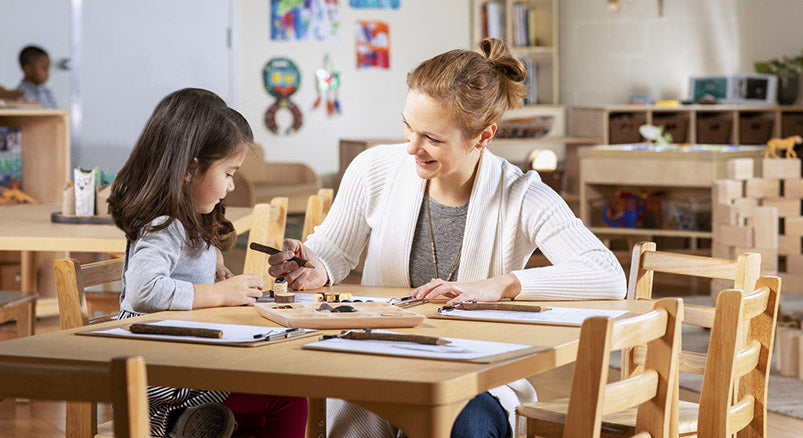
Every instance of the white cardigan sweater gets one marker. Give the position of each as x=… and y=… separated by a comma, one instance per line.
x=510, y=214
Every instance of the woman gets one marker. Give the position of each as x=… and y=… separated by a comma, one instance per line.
x=443, y=215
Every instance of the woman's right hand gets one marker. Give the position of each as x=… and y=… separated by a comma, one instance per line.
x=298, y=277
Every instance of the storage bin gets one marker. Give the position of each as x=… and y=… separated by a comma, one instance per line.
x=623, y=128
x=714, y=130
x=754, y=130
x=676, y=125
x=792, y=124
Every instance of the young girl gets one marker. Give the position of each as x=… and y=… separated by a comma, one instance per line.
x=167, y=199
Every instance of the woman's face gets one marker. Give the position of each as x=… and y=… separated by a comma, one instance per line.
x=435, y=139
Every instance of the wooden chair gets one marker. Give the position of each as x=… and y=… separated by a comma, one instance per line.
x=317, y=209
x=20, y=307
x=71, y=280
x=123, y=383
x=268, y=228
x=592, y=397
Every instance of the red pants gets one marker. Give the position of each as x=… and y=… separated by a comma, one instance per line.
x=268, y=416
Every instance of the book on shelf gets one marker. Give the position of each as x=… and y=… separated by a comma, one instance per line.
x=531, y=98
x=493, y=20
x=10, y=155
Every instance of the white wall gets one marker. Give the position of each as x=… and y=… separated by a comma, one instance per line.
x=371, y=99
x=607, y=57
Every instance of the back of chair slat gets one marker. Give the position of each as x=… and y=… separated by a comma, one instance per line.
x=72, y=302
x=700, y=316
x=590, y=395
x=268, y=226
x=317, y=208
x=103, y=272
x=123, y=382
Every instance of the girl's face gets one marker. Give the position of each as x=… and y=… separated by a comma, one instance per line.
x=435, y=140
x=209, y=188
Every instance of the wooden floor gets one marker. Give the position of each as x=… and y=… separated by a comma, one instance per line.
x=45, y=419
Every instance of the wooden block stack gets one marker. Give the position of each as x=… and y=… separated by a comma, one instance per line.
x=789, y=351
x=741, y=219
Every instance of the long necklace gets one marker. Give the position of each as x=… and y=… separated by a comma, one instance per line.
x=432, y=242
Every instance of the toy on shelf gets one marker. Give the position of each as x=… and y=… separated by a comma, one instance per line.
x=84, y=202
x=13, y=195
x=776, y=146
x=655, y=134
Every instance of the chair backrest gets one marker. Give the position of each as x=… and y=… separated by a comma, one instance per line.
x=317, y=209
x=742, y=272
x=123, y=383
x=737, y=368
x=650, y=389
x=267, y=228
x=71, y=280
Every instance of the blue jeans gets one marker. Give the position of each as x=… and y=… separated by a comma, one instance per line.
x=483, y=417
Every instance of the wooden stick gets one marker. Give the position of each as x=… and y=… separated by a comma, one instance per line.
x=154, y=329
x=397, y=337
x=269, y=250
x=501, y=306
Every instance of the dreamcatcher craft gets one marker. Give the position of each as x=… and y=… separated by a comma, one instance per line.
x=282, y=78
x=327, y=82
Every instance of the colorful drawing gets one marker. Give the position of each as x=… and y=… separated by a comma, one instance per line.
x=375, y=4
x=305, y=20
x=372, y=39
x=282, y=78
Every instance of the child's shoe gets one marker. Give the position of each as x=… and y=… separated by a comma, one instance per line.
x=209, y=420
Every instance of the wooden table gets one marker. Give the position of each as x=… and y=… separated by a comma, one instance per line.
x=27, y=228
x=423, y=397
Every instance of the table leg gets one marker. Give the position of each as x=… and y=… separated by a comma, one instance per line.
x=419, y=421
x=28, y=272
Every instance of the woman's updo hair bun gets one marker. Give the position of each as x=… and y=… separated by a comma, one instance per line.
x=476, y=88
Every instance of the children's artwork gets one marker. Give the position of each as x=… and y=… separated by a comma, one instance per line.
x=305, y=20
x=372, y=39
x=327, y=83
x=282, y=78
x=10, y=156
x=375, y=4
x=84, y=192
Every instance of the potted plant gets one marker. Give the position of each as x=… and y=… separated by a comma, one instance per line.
x=788, y=71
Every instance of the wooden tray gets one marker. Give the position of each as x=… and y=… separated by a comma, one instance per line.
x=57, y=217
x=368, y=315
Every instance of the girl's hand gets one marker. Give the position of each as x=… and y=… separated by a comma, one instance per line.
x=221, y=271
x=492, y=289
x=235, y=291
x=298, y=277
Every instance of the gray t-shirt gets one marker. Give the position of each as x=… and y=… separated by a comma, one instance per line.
x=448, y=224
x=160, y=270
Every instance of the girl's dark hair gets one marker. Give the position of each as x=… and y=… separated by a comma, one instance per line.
x=186, y=125
x=476, y=88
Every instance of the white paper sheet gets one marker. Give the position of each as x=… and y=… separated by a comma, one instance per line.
x=458, y=349
x=232, y=333
x=556, y=315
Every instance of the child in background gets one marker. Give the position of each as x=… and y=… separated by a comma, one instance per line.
x=167, y=200
x=35, y=64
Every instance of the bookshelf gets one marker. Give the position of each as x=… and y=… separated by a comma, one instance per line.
x=530, y=28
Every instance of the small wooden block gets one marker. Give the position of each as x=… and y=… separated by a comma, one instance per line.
x=721, y=251
x=765, y=227
x=769, y=258
x=794, y=263
x=788, y=345
x=733, y=235
x=740, y=168
x=792, y=283
x=723, y=191
x=786, y=206
x=725, y=214
x=789, y=245
x=793, y=226
x=793, y=188
x=762, y=188
x=782, y=168
x=286, y=297
x=745, y=207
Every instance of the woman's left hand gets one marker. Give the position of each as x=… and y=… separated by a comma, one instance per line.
x=492, y=289
x=221, y=271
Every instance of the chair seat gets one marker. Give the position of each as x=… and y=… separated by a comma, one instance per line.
x=620, y=423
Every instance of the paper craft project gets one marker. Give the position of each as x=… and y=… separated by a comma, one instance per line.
x=230, y=334
x=555, y=315
x=457, y=349
x=338, y=315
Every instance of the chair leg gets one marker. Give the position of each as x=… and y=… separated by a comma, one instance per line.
x=316, y=418
x=82, y=419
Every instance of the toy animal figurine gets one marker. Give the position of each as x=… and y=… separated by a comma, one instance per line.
x=775, y=146
x=13, y=195
x=84, y=192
